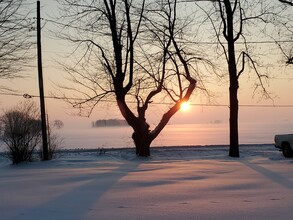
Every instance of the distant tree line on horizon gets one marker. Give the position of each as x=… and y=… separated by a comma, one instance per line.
x=109, y=123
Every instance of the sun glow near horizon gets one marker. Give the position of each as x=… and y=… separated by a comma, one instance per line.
x=185, y=106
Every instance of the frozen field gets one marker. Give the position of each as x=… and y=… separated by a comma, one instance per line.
x=174, y=183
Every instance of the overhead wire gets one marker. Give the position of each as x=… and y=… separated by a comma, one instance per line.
x=194, y=42
x=25, y=95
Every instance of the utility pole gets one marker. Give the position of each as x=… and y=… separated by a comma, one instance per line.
x=41, y=86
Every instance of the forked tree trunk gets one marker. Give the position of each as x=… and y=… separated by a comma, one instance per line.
x=141, y=135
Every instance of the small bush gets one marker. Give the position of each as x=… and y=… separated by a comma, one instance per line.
x=21, y=131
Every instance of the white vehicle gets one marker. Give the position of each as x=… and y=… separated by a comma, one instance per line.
x=285, y=143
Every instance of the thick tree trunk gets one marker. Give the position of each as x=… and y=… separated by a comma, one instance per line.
x=142, y=143
x=141, y=135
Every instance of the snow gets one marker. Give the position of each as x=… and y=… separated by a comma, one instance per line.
x=174, y=183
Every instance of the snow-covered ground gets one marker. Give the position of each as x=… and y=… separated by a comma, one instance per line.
x=175, y=183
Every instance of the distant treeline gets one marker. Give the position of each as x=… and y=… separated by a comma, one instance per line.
x=109, y=123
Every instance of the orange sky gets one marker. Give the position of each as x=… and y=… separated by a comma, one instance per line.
x=280, y=87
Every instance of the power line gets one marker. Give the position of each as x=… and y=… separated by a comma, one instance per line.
x=156, y=103
x=247, y=42
x=183, y=41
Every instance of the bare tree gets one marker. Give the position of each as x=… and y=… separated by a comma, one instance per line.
x=15, y=39
x=131, y=53
x=234, y=23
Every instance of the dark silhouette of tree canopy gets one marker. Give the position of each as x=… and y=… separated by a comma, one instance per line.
x=131, y=52
x=15, y=39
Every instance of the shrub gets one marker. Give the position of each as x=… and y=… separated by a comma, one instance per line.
x=21, y=131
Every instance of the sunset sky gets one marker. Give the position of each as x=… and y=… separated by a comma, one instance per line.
x=201, y=109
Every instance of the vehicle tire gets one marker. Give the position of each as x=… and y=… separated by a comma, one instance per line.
x=287, y=150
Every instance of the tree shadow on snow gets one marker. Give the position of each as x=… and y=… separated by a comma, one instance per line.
x=277, y=178
x=77, y=202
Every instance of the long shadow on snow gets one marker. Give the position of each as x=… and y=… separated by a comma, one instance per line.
x=277, y=178
x=75, y=203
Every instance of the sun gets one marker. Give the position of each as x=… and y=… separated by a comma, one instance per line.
x=185, y=106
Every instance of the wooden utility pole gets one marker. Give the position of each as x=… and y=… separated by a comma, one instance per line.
x=41, y=86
